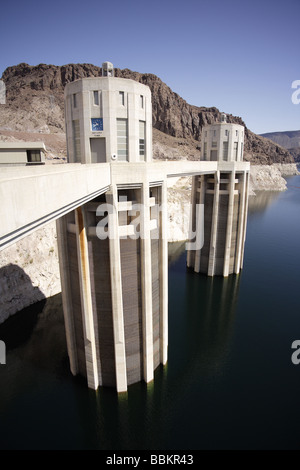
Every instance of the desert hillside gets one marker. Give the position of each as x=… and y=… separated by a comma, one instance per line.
x=35, y=104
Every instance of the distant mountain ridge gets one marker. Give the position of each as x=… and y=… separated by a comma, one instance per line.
x=35, y=103
x=287, y=139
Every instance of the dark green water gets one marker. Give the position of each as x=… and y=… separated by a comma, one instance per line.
x=229, y=382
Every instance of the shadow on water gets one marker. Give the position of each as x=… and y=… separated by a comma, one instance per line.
x=17, y=329
x=35, y=337
x=17, y=291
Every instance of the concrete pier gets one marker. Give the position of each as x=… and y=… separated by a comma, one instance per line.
x=224, y=197
x=115, y=288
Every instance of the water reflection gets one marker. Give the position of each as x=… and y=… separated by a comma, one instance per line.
x=261, y=201
x=175, y=250
x=212, y=312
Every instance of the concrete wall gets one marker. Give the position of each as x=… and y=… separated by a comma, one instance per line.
x=31, y=197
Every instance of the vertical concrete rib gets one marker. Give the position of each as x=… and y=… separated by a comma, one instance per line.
x=239, y=247
x=214, y=227
x=116, y=290
x=164, y=275
x=199, y=215
x=86, y=299
x=247, y=176
x=190, y=254
x=61, y=228
x=146, y=283
x=229, y=224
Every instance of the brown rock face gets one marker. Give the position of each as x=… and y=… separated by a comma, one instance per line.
x=35, y=103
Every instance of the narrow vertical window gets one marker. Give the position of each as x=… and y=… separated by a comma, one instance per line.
x=96, y=98
x=142, y=101
x=75, y=100
x=122, y=139
x=205, y=151
x=142, y=139
x=235, y=150
x=76, y=141
x=225, y=151
x=122, y=98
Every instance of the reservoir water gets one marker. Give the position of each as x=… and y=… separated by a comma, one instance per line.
x=229, y=383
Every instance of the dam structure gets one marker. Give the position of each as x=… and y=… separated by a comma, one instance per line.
x=110, y=204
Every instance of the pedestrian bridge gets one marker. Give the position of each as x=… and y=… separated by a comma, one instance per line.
x=33, y=196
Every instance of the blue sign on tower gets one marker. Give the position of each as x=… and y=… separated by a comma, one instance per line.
x=97, y=124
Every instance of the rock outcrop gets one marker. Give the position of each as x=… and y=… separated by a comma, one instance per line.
x=29, y=271
x=34, y=102
x=270, y=177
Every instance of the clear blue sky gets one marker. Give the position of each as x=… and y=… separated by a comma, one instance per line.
x=240, y=56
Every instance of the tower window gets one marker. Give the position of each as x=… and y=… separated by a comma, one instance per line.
x=122, y=139
x=75, y=100
x=122, y=98
x=205, y=151
x=142, y=101
x=235, y=150
x=76, y=137
x=96, y=98
x=142, y=138
x=225, y=151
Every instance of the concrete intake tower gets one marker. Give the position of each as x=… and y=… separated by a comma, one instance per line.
x=113, y=249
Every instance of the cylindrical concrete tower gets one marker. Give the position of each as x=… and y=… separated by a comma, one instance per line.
x=222, y=142
x=108, y=119
x=113, y=250
x=224, y=199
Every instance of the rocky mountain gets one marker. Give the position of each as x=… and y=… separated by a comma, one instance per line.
x=295, y=152
x=34, y=103
x=287, y=139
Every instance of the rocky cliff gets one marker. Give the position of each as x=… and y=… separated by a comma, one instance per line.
x=34, y=103
x=29, y=271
